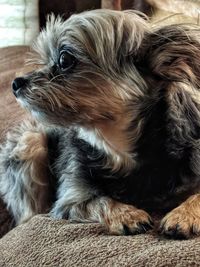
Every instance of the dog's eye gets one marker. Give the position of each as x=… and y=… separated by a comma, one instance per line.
x=66, y=61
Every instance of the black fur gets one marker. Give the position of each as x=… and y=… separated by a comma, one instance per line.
x=164, y=157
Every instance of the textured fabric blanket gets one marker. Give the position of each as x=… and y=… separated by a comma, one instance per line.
x=46, y=242
x=55, y=243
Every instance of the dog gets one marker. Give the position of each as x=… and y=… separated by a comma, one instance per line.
x=116, y=128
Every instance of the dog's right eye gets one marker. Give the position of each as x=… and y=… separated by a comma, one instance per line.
x=66, y=61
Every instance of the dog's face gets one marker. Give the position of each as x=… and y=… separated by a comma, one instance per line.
x=98, y=65
x=88, y=72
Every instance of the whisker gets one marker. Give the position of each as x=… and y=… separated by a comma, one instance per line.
x=60, y=75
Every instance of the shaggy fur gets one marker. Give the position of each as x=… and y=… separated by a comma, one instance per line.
x=118, y=111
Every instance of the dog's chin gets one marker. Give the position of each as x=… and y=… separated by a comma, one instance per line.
x=36, y=114
x=51, y=118
x=47, y=120
x=23, y=103
x=42, y=117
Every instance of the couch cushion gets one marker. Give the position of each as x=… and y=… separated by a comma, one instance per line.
x=11, y=63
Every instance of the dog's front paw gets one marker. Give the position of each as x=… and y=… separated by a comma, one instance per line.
x=124, y=219
x=180, y=223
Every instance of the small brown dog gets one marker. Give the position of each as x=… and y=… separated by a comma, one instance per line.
x=118, y=133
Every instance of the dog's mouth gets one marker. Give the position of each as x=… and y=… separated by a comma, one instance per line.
x=23, y=102
x=47, y=116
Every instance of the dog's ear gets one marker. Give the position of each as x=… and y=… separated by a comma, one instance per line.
x=170, y=64
x=172, y=53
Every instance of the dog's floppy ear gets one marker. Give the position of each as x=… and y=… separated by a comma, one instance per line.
x=170, y=63
x=173, y=53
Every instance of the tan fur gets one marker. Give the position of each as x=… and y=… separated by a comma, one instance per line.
x=31, y=146
x=119, y=142
x=108, y=140
x=185, y=218
x=116, y=216
x=32, y=150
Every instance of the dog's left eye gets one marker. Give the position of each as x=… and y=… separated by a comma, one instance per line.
x=66, y=61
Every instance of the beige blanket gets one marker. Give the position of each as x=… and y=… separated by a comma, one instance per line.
x=46, y=242
x=53, y=243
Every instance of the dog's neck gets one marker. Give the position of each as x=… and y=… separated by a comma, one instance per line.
x=113, y=139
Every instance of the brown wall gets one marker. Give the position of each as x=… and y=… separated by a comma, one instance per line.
x=68, y=7
x=65, y=7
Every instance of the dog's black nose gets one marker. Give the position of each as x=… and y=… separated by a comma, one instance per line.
x=18, y=84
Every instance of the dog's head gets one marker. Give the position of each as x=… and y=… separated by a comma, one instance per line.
x=98, y=67
x=88, y=72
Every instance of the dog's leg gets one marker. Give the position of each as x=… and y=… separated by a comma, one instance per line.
x=119, y=218
x=23, y=173
x=183, y=221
